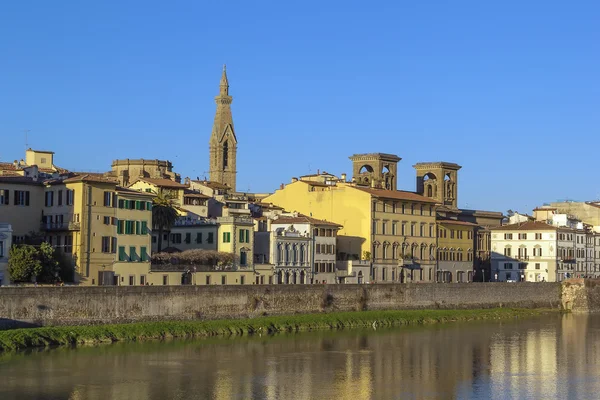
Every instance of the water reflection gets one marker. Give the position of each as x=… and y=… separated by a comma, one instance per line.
x=550, y=357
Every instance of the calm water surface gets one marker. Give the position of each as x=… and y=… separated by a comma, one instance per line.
x=541, y=358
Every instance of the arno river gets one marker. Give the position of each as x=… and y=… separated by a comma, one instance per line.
x=542, y=358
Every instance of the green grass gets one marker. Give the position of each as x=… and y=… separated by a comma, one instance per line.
x=75, y=335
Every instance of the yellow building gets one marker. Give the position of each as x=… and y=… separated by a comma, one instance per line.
x=455, y=250
x=162, y=186
x=102, y=227
x=393, y=229
x=236, y=236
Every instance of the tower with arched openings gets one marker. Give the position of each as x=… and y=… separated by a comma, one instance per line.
x=223, y=142
x=377, y=170
x=439, y=181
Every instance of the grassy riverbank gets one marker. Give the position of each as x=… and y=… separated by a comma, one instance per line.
x=74, y=335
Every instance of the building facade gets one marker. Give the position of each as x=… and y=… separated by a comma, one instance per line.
x=455, y=251
x=525, y=252
x=21, y=205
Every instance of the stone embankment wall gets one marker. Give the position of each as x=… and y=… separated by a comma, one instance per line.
x=96, y=305
x=581, y=295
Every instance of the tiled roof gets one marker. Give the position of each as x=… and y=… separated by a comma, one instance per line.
x=4, y=166
x=162, y=182
x=525, y=226
x=90, y=178
x=213, y=185
x=19, y=180
x=395, y=194
x=197, y=195
x=132, y=191
x=303, y=219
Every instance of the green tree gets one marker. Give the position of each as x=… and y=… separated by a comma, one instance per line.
x=23, y=263
x=164, y=215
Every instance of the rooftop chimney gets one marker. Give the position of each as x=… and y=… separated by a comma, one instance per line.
x=344, y=177
x=281, y=186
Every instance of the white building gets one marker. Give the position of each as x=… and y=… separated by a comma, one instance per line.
x=524, y=252
x=5, y=243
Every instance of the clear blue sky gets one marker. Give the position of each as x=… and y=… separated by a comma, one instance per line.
x=510, y=90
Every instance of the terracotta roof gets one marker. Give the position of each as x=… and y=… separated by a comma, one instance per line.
x=213, y=185
x=455, y=222
x=544, y=209
x=396, y=194
x=19, y=180
x=303, y=219
x=89, y=178
x=197, y=195
x=525, y=226
x=269, y=206
x=313, y=183
x=162, y=182
x=5, y=166
x=132, y=191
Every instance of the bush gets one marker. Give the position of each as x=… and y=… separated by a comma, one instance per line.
x=194, y=257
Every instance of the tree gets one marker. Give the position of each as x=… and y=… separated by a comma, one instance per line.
x=164, y=215
x=27, y=262
x=23, y=263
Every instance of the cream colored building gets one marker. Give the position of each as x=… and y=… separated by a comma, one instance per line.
x=236, y=236
x=21, y=204
x=525, y=252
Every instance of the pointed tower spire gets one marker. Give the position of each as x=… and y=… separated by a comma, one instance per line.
x=224, y=86
x=223, y=142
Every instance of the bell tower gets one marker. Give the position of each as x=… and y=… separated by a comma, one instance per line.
x=223, y=142
x=377, y=170
x=439, y=181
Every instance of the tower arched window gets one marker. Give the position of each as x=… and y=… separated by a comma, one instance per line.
x=225, y=154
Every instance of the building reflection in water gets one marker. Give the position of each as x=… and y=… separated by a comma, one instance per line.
x=550, y=357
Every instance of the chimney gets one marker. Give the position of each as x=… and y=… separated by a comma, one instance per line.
x=318, y=172
x=281, y=186
x=344, y=177
x=294, y=179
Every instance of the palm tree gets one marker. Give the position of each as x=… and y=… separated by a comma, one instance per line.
x=164, y=215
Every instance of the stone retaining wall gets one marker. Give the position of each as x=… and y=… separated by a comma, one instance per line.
x=20, y=307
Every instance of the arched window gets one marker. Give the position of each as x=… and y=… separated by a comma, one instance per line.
x=295, y=254
x=287, y=253
x=302, y=249
x=279, y=253
x=225, y=154
x=243, y=257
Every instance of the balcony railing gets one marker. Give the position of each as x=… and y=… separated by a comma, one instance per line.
x=60, y=226
x=522, y=257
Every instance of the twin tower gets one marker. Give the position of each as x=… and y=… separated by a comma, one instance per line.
x=436, y=180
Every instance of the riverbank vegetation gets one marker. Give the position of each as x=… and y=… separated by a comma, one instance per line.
x=76, y=335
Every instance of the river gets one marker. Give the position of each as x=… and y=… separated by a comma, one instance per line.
x=540, y=358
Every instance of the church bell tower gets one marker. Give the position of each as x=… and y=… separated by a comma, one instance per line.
x=223, y=142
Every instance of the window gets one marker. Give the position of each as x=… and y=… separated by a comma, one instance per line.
x=422, y=209
x=226, y=237
x=537, y=265
x=394, y=228
x=412, y=229
x=374, y=227
x=131, y=280
x=4, y=196
x=107, y=199
x=507, y=265
x=522, y=236
x=1, y=249
x=144, y=227
x=106, y=244
x=384, y=228
x=244, y=236
x=316, y=232
x=538, y=236
x=49, y=200
x=133, y=254
x=403, y=229
x=198, y=237
x=60, y=197
x=208, y=279
x=403, y=208
x=165, y=280
x=143, y=254
x=508, y=236
x=176, y=238
x=318, y=248
x=422, y=230
x=70, y=197
x=188, y=237
x=223, y=279
x=507, y=251
x=244, y=257
x=122, y=254
x=142, y=280
x=113, y=243
x=209, y=239
x=106, y=220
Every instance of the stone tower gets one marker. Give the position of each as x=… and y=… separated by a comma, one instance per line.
x=223, y=142
x=376, y=170
x=439, y=181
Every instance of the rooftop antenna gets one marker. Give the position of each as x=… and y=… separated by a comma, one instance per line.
x=26, y=131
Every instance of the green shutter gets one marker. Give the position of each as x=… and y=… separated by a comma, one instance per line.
x=132, y=255
x=138, y=231
x=149, y=206
x=247, y=236
x=122, y=254
x=143, y=254
x=224, y=237
x=119, y=227
x=144, y=228
x=241, y=236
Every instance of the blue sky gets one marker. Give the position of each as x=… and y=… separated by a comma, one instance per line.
x=509, y=90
